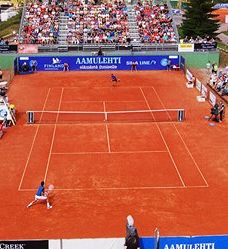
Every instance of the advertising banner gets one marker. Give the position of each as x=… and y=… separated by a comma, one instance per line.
x=27, y=49
x=198, y=85
x=204, y=91
x=206, y=46
x=24, y=244
x=186, y=47
x=8, y=48
x=182, y=63
x=212, y=98
x=188, y=75
x=195, y=242
x=96, y=63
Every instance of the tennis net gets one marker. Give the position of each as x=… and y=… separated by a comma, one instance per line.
x=68, y=117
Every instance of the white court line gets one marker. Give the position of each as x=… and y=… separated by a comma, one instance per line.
x=107, y=133
x=185, y=145
x=121, y=188
x=33, y=142
x=109, y=152
x=100, y=101
x=147, y=103
x=53, y=137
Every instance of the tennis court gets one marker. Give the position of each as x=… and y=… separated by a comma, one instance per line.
x=114, y=157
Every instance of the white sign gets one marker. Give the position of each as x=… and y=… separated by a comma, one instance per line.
x=198, y=85
x=212, y=98
x=204, y=91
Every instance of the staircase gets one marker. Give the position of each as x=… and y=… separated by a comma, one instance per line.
x=133, y=28
x=63, y=31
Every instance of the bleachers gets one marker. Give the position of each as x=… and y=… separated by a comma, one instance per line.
x=84, y=24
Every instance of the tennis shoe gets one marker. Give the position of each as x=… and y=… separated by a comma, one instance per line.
x=49, y=207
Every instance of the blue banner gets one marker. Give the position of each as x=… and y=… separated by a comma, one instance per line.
x=95, y=63
x=190, y=242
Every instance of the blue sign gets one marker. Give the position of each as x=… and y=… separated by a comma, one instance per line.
x=190, y=242
x=96, y=63
x=220, y=6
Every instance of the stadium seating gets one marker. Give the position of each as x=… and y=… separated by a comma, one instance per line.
x=219, y=82
x=82, y=22
x=154, y=23
x=41, y=22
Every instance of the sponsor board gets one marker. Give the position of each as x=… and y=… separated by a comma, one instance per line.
x=188, y=75
x=8, y=48
x=198, y=85
x=24, y=244
x=96, y=63
x=206, y=46
x=204, y=91
x=188, y=242
x=212, y=98
x=27, y=49
x=186, y=47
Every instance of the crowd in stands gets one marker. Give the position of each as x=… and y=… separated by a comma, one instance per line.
x=154, y=23
x=219, y=80
x=94, y=24
x=198, y=39
x=3, y=42
x=41, y=22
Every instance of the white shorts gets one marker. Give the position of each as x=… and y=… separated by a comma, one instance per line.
x=42, y=197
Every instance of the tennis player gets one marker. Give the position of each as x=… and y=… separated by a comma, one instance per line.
x=114, y=80
x=41, y=196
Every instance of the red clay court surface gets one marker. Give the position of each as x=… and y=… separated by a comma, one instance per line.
x=171, y=175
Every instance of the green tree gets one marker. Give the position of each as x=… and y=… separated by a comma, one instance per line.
x=199, y=20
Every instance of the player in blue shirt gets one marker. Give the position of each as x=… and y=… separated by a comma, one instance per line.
x=41, y=196
x=114, y=80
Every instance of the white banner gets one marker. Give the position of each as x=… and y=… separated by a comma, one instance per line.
x=204, y=91
x=188, y=75
x=212, y=98
x=198, y=85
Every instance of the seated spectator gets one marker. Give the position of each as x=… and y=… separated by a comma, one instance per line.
x=41, y=22
x=220, y=82
x=155, y=23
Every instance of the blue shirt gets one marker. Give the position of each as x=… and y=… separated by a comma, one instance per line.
x=114, y=78
x=40, y=191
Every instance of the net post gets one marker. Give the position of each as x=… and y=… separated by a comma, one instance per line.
x=30, y=117
x=181, y=115
x=106, y=116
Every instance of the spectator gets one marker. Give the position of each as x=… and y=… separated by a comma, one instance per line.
x=155, y=23
x=208, y=65
x=1, y=74
x=132, y=238
x=220, y=81
x=215, y=113
x=134, y=66
x=100, y=52
x=221, y=111
x=41, y=22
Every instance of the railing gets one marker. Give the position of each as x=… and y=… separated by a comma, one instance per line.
x=22, y=20
x=173, y=24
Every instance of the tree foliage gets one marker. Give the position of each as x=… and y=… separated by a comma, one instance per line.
x=199, y=19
